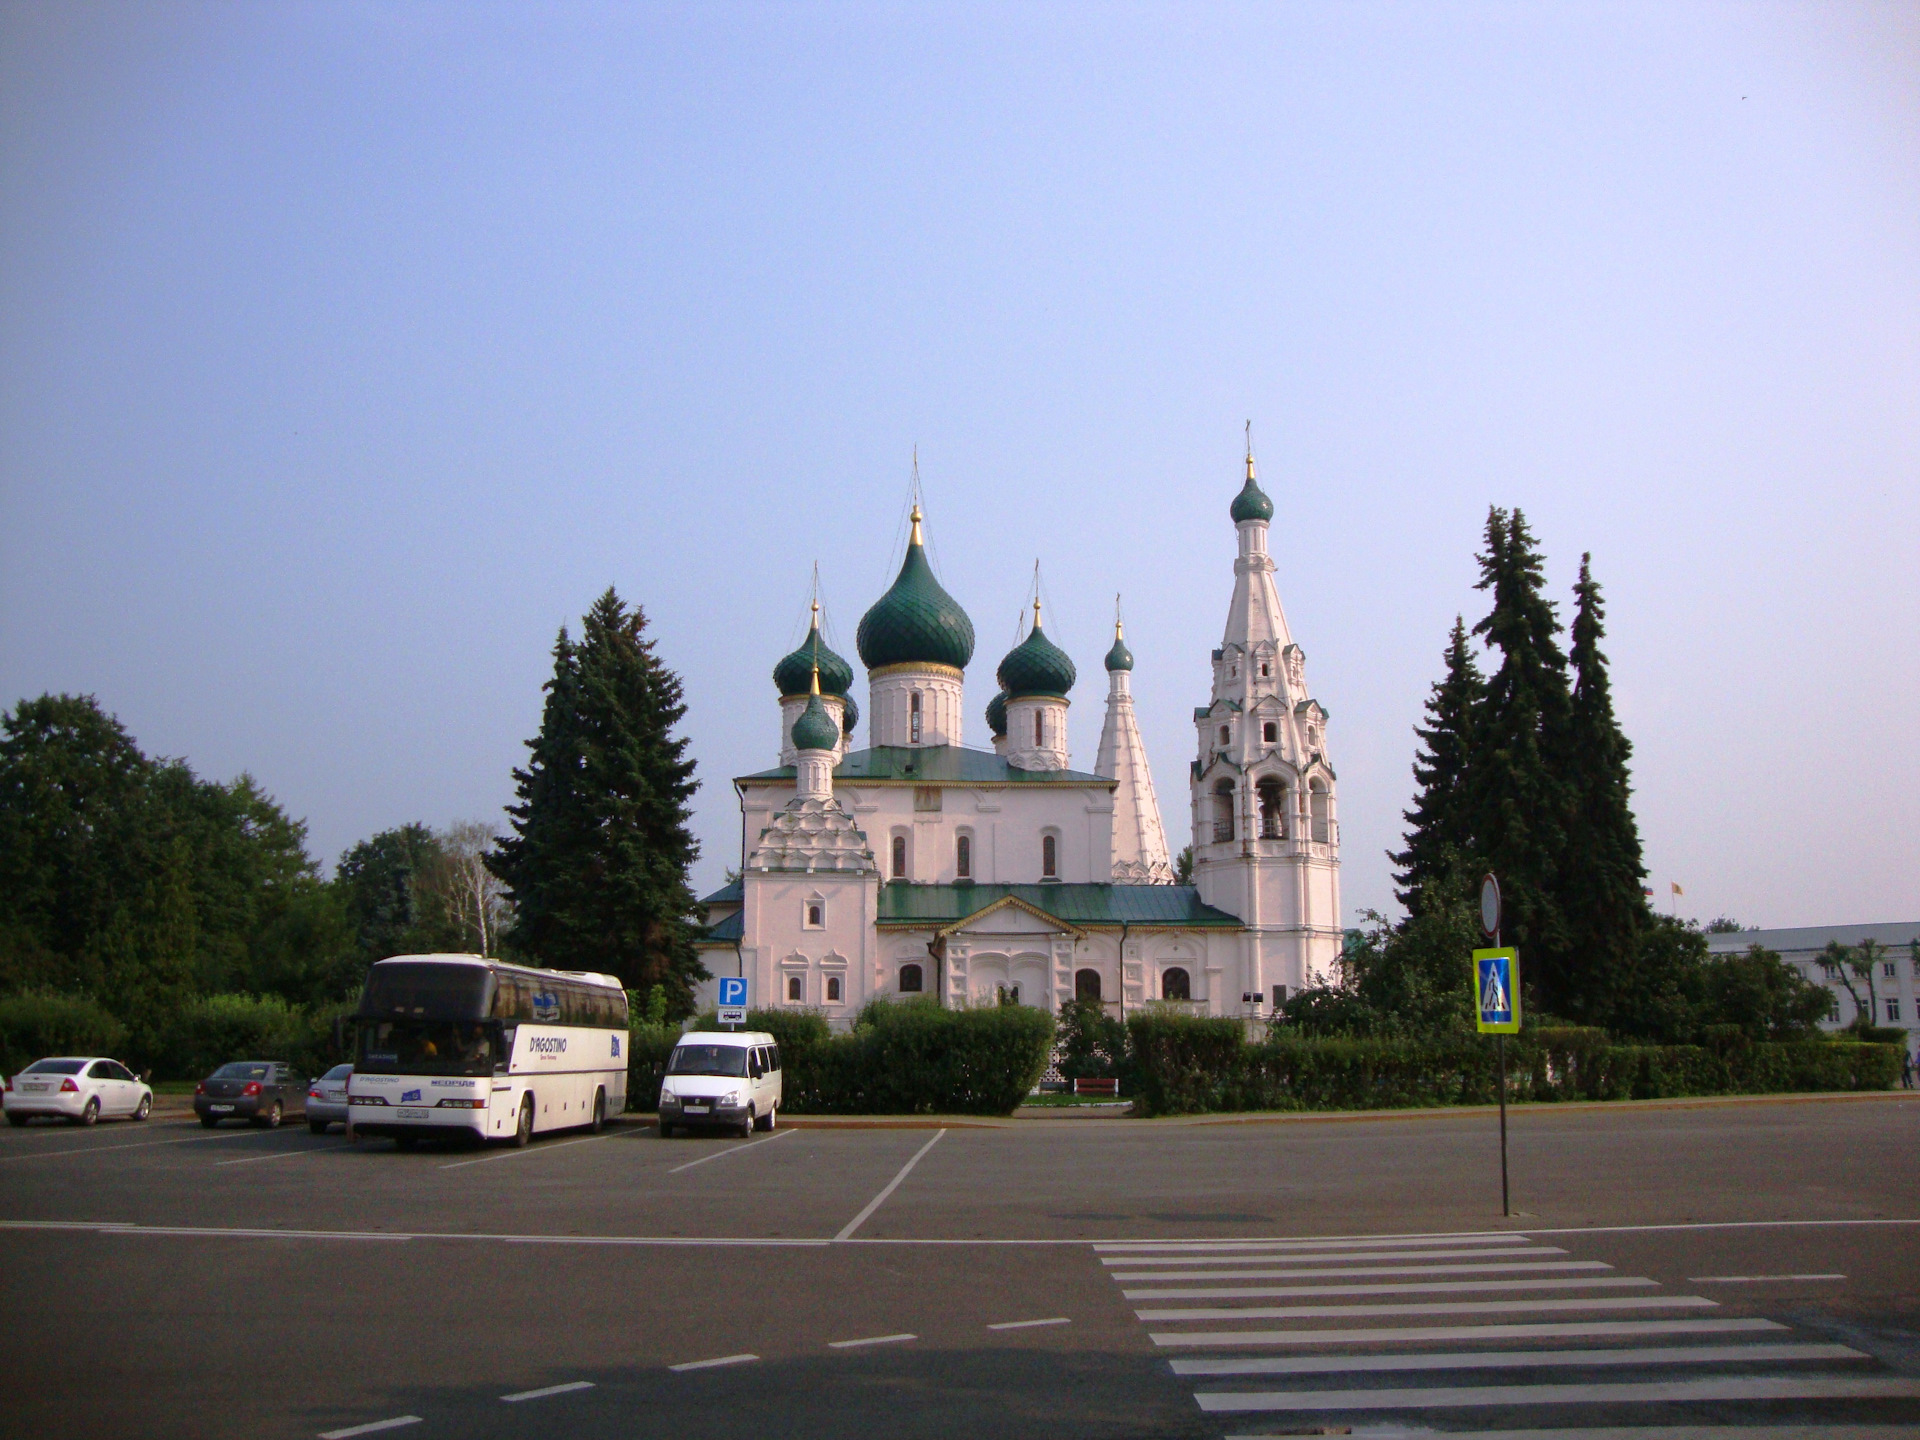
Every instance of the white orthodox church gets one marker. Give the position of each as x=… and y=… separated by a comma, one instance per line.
x=922, y=867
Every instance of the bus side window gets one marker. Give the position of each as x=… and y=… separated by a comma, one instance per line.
x=618, y=1002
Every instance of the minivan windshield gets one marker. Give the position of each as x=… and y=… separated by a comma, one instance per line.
x=708, y=1060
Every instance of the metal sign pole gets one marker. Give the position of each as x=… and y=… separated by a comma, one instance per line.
x=1499, y=1007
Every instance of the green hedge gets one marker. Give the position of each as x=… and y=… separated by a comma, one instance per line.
x=908, y=1058
x=208, y=1032
x=35, y=1025
x=1190, y=1064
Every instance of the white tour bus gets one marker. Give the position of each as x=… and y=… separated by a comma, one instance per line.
x=461, y=1047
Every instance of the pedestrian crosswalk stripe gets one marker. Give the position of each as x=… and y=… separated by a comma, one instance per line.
x=1446, y=1307
x=1514, y=1359
x=1114, y=1247
x=1441, y=1334
x=1319, y=1258
x=1416, y=1287
x=1159, y=1277
x=1745, y=1387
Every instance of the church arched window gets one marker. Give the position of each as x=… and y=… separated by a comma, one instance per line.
x=1039, y=727
x=1225, y=734
x=963, y=857
x=1320, y=808
x=910, y=979
x=1174, y=984
x=1273, y=809
x=1049, y=857
x=913, y=718
x=1271, y=732
x=833, y=989
x=1086, y=985
x=1223, y=811
x=899, y=857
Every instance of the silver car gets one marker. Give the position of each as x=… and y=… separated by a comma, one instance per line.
x=327, y=1100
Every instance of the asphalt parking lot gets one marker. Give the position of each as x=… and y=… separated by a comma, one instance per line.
x=1033, y=1278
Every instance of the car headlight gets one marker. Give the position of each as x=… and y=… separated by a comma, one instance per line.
x=731, y=1098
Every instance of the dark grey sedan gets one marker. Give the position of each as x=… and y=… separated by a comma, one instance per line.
x=262, y=1091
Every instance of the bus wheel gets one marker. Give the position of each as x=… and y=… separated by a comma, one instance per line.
x=599, y=1121
x=523, y=1131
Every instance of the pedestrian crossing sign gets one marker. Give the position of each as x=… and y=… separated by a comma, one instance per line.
x=1497, y=991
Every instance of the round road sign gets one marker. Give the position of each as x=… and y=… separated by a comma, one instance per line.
x=1490, y=905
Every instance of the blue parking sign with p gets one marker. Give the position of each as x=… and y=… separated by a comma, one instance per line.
x=1497, y=991
x=733, y=990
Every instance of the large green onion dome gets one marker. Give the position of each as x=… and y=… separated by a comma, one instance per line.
x=997, y=714
x=794, y=674
x=815, y=730
x=1252, y=502
x=1036, y=666
x=849, y=714
x=915, y=622
x=1119, y=657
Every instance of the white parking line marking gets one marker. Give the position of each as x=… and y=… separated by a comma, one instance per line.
x=352, y=1430
x=1451, y=1307
x=551, y=1145
x=114, y=1227
x=1029, y=1324
x=546, y=1390
x=711, y=1364
x=1753, y=1279
x=196, y=1232
x=1516, y=1359
x=1315, y=1258
x=1160, y=1276
x=1665, y=1392
x=1436, y=1287
x=846, y=1231
x=732, y=1150
x=869, y=1340
x=280, y=1155
x=84, y=1150
x=1428, y=1334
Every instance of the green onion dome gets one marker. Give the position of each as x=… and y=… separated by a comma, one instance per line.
x=1119, y=657
x=849, y=714
x=997, y=714
x=794, y=674
x=815, y=730
x=1036, y=666
x=915, y=622
x=1252, y=502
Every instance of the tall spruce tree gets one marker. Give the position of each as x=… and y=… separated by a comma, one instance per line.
x=1601, y=899
x=1439, y=827
x=598, y=860
x=1517, y=797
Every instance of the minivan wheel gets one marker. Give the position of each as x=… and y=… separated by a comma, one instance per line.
x=749, y=1125
x=599, y=1121
x=523, y=1128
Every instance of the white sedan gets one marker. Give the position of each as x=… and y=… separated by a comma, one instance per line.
x=79, y=1090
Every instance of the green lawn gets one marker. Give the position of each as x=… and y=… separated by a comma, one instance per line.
x=1070, y=1100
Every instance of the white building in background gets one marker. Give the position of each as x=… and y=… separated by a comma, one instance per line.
x=920, y=866
x=1804, y=949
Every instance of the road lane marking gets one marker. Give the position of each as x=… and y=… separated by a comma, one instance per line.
x=1658, y=1392
x=111, y=1227
x=547, y=1148
x=1158, y=1276
x=369, y=1429
x=1753, y=1279
x=713, y=1364
x=1448, y=1307
x=1515, y=1359
x=281, y=1155
x=1322, y=1259
x=1435, y=1287
x=545, y=1390
x=732, y=1150
x=869, y=1340
x=1429, y=1334
x=846, y=1231
x=131, y=1145
x=1029, y=1324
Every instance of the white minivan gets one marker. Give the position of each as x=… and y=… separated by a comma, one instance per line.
x=724, y=1078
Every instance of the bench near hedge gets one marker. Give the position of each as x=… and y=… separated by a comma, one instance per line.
x=1185, y=1065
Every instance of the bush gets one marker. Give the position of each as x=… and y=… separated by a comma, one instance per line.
x=648, y=1047
x=1092, y=1044
x=1190, y=1064
x=37, y=1024
x=208, y=1032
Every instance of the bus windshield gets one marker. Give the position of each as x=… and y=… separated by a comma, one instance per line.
x=428, y=1047
x=427, y=990
x=708, y=1060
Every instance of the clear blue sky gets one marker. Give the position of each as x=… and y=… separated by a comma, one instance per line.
x=347, y=351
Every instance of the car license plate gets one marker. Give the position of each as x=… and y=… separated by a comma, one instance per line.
x=695, y=1109
x=37, y=1089
x=409, y=1113
x=220, y=1109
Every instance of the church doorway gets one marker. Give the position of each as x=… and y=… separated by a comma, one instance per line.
x=1086, y=985
x=1175, y=984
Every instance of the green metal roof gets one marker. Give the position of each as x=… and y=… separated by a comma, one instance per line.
x=730, y=931
x=1036, y=666
x=997, y=713
x=1119, y=657
x=1252, y=502
x=936, y=765
x=794, y=673
x=815, y=729
x=915, y=622
x=1174, y=906
x=734, y=892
